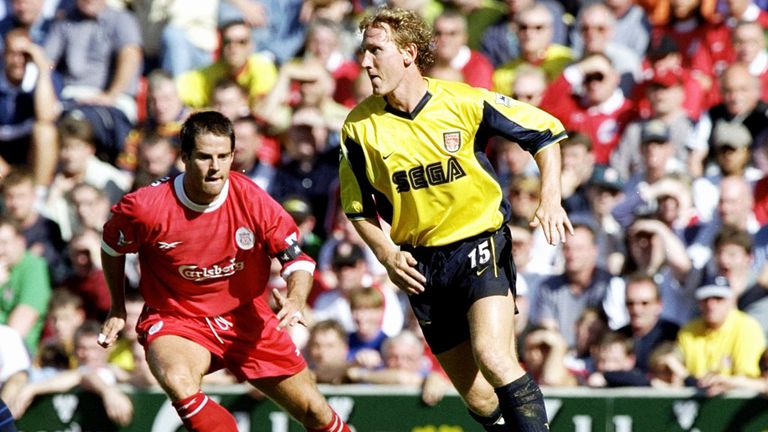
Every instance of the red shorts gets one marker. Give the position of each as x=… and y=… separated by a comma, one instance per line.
x=245, y=340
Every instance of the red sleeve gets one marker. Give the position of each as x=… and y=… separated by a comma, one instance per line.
x=479, y=71
x=122, y=231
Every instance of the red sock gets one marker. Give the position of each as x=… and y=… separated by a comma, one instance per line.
x=336, y=425
x=201, y=414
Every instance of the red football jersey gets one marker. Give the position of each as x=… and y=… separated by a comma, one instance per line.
x=203, y=260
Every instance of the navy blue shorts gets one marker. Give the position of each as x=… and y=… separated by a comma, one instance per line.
x=457, y=275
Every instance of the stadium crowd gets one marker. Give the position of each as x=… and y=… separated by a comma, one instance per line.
x=665, y=178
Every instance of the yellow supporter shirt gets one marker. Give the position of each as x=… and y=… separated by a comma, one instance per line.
x=555, y=60
x=258, y=76
x=733, y=349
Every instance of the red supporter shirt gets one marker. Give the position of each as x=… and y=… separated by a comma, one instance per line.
x=203, y=260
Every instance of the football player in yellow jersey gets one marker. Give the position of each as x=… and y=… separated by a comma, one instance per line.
x=414, y=154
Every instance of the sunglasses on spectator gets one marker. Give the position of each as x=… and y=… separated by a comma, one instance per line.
x=594, y=76
x=228, y=41
x=447, y=32
x=526, y=27
x=525, y=96
x=598, y=28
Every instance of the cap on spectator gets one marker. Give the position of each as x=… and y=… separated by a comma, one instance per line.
x=727, y=134
x=654, y=131
x=607, y=177
x=347, y=254
x=661, y=47
x=665, y=79
x=717, y=288
x=297, y=207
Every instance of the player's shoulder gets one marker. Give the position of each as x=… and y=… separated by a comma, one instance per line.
x=149, y=195
x=371, y=105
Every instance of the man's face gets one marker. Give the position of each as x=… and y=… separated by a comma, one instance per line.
x=596, y=30
x=236, y=46
x=740, y=93
x=89, y=352
x=580, y=252
x=247, y=143
x=322, y=42
x=612, y=357
x=164, y=103
x=732, y=260
x=74, y=157
x=382, y=60
x=327, y=348
x=748, y=42
x=643, y=305
x=450, y=36
x=534, y=29
x=27, y=11
x=19, y=200
x=207, y=168
x=15, y=57
x=157, y=159
x=91, y=209
x=12, y=246
x=230, y=101
x=714, y=310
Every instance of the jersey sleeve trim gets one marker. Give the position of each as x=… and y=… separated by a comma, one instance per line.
x=111, y=252
x=296, y=266
x=556, y=139
x=356, y=158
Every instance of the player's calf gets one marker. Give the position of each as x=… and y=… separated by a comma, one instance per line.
x=522, y=403
x=199, y=413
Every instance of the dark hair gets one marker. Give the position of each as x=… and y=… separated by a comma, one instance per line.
x=407, y=27
x=74, y=124
x=730, y=235
x=232, y=23
x=643, y=277
x=202, y=123
x=18, y=175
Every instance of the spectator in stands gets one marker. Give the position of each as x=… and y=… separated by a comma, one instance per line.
x=632, y=26
x=529, y=85
x=101, y=65
x=254, y=72
x=278, y=27
x=451, y=50
x=646, y=328
x=29, y=96
x=164, y=116
x=604, y=191
x=92, y=374
x=188, y=36
x=578, y=163
x=667, y=369
x=27, y=15
x=248, y=141
x=734, y=208
x=723, y=341
x=666, y=94
x=230, y=99
x=66, y=313
x=309, y=168
x=511, y=161
x=544, y=358
x=91, y=206
x=596, y=29
x=122, y=354
x=42, y=235
x=741, y=101
x=658, y=160
x=591, y=325
x=302, y=84
x=534, y=28
x=718, y=384
x=87, y=278
x=587, y=99
x=157, y=158
x=404, y=363
x=14, y=357
x=562, y=298
x=750, y=49
x=528, y=276
x=614, y=360
x=323, y=45
x=479, y=16
x=78, y=163
x=327, y=351
x=653, y=249
x=367, y=306
x=24, y=283
x=501, y=42
x=351, y=270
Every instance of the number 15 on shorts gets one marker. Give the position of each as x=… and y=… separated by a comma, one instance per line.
x=481, y=257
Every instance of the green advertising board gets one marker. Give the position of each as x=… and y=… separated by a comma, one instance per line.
x=394, y=409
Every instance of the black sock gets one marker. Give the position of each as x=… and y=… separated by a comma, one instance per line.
x=492, y=423
x=522, y=403
x=6, y=419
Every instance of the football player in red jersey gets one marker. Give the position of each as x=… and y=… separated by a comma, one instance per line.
x=205, y=239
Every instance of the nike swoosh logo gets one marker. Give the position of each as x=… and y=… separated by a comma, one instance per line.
x=387, y=156
x=480, y=272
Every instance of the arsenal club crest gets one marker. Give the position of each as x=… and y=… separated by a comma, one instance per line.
x=452, y=141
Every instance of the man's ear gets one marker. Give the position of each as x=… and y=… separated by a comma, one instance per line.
x=409, y=54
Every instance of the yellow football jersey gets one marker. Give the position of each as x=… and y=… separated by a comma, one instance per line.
x=426, y=172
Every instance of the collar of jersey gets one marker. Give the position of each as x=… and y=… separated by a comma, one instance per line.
x=411, y=115
x=178, y=186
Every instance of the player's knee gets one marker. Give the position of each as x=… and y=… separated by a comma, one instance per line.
x=178, y=382
x=482, y=401
x=493, y=362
